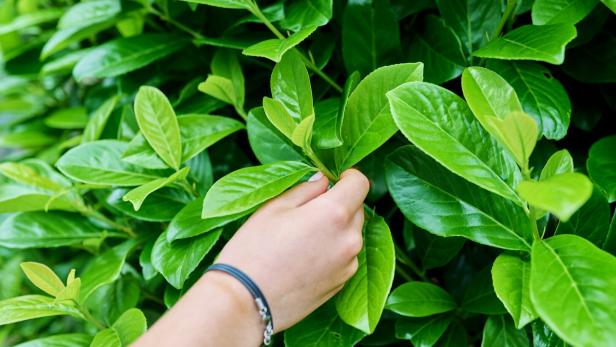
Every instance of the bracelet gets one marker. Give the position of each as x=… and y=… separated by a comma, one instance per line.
x=262, y=305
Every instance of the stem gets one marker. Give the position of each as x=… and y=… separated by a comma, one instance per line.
x=90, y=212
x=319, y=164
x=175, y=23
x=404, y=259
x=511, y=5
x=404, y=274
x=242, y=113
x=88, y=316
x=533, y=222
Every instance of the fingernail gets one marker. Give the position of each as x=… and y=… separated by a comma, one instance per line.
x=317, y=176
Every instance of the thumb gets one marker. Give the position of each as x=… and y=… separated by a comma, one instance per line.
x=301, y=194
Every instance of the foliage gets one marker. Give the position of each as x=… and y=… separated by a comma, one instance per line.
x=137, y=135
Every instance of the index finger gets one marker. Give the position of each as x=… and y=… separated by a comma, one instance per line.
x=350, y=191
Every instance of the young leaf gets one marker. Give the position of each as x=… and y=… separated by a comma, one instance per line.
x=290, y=85
x=226, y=64
x=367, y=121
x=424, y=112
x=561, y=11
x=26, y=307
x=561, y=195
x=139, y=194
x=585, y=277
x=159, y=125
x=43, y=277
x=601, y=165
x=560, y=162
x=518, y=133
x=219, y=87
x=267, y=143
x=302, y=135
x=280, y=118
x=511, y=277
x=26, y=174
x=361, y=301
x=71, y=292
x=425, y=331
x=130, y=326
x=419, y=299
x=247, y=188
x=106, y=338
x=499, y=331
x=531, y=42
x=274, y=49
x=98, y=120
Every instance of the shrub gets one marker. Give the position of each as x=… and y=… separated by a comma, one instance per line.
x=136, y=136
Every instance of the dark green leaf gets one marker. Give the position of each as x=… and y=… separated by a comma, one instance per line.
x=591, y=221
x=479, y=296
x=423, y=332
x=601, y=165
x=105, y=268
x=436, y=251
x=511, y=277
x=274, y=49
x=268, y=144
x=593, y=63
x=420, y=299
x=305, y=13
x=500, y=331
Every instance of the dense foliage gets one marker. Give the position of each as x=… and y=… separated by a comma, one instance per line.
x=136, y=136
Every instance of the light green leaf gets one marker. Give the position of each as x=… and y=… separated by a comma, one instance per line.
x=531, y=42
x=601, y=165
x=27, y=307
x=199, y=131
x=130, y=326
x=561, y=194
x=219, y=87
x=290, y=84
x=500, y=331
x=367, y=121
x=561, y=11
x=274, y=49
x=247, y=188
x=66, y=37
x=419, y=299
x=100, y=163
x=43, y=277
x=89, y=12
x=20, y=198
x=278, y=115
x=161, y=206
x=178, y=259
x=511, y=278
x=98, y=120
x=361, y=301
x=302, y=135
x=63, y=340
x=585, y=279
x=518, y=132
x=560, y=162
x=67, y=118
x=139, y=194
x=70, y=292
x=423, y=332
x=26, y=174
x=611, y=4
x=232, y=4
x=267, y=143
x=424, y=113
x=139, y=153
x=106, y=338
x=28, y=20
x=305, y=13
x=325, y=124
x=159, y=125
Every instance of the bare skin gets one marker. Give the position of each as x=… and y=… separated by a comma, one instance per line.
x=299, y=248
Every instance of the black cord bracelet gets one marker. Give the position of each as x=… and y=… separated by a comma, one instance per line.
x=251, y=286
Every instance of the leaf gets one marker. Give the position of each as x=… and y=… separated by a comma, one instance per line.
x=454, y=336
x=591, y=221
x=130, y=326
x=45, y=230
x=611, y=4
x=28, y=20
x=199, y=132
x=438, y=47
x=592, y=63
x=499, y=331
x=305, y=13
x=139, y=153
x=62, y=340
x=70, y=292
x=302, y=135
x=232, y=4
x=544, y=337
x=447, y=205
x=531, y=42
x=561, y=11
x=435, y=251
x=322, y=328
x=100, y=163
x=267, y=143
x=541, y=94
x=601, y=166
x=67, y=118
x=424, y=113
x=98, y=120
x=20, y=198
x=106, y=338
x=178, y=259
x=479, y=296
x=361, y=301
x=561, y=195
x=26, y=174
x=583, y=312
x=423, y=332
x=518, y=133
x=419, y=299
x=511, y=277
x=65, y=37
x=290, y=85
x=219, y=87
x=325, y=132
x=560, y=162
x=279, y=117
x=370, y=36
x=274, y=49
x=161, y=206
x=123, y=55
x=89, y=13
x=226, y=64
x=159, y=125
x=367, y=121
x=247, y=188
x=139, y=194
x=43, y=277
x=27, y=307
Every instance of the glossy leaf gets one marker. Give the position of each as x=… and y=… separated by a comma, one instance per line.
x=199, y=132
x=545, y=337
x=601, y=165
x=423, y=332
x=139, y=194
x=33, y=306
x=268, y=144
x=232, y=4
x=104, y=269
x=560, y=162
x=479, y=296
x=161, y=206
x=130, y=326
x=500, y=331
x=306, y=13
x=511, y=278
x=65, y=37
x=67, y=118
x=274, y=49
x=89, y=12
x=561, y=11
x=43, y=277
x=584, y=276
x=591, y=221
x=62, y=340
x=420, y=299
x=517, y=132
x=106, y=338
x=279, y=117
x=290, y=84
x=98, y=120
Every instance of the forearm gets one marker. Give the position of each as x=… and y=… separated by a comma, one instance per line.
x=216, y=311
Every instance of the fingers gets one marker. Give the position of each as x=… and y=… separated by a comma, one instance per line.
x=303, y=193
x=350, y=191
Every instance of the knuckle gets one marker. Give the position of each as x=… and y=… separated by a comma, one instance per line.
x=354, y=244
x=337, y=213
x=353, y=267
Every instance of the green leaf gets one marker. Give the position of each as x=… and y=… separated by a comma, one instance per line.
x=500, y=331
x=325, y=124
x=20, y=198
x=447, y=205
x=219, y=87
x=64, y=64
x=274, y=49
x=545, y=337
x=518, y=132
x=611, y=4
x=305, y=13
x=511, y=278
x=367, y=121
x=232, y=4
x=43, y=277
x=65, y=37
x=591, y=221
x=290, y=85
x=361, y=301
x=541, y=94
x=123, y=55
x=226, y=82
x=593, y=62
x=67, y=118
x=267, y=143
x=435, y=251
x=560, y=162
x=28, y=175
x=139, y=194
x=89, y=13
x=130, y=326
x=424, y=113
x=322, y=328
x=247, y=188
x=561, y=11
x=455, y=336
x=98, y=120
x=45, y=230
x=302, y=135
x=585, y=278
x=159, y=125
x=71, y=291
x=199, y=132
x=438, y=47
x=561, y=195
x=63, y=340
x=370, y=35
x=28, y=20
x=420, y=299
x=279, y=117
x=601, y=166
x=178, y=259
x=479, y=296
x=106, y=338
x=100, y=163
x=161, y=206
x=27, y=307
x=139, y=153
x=531, y=42
x=423, y=332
